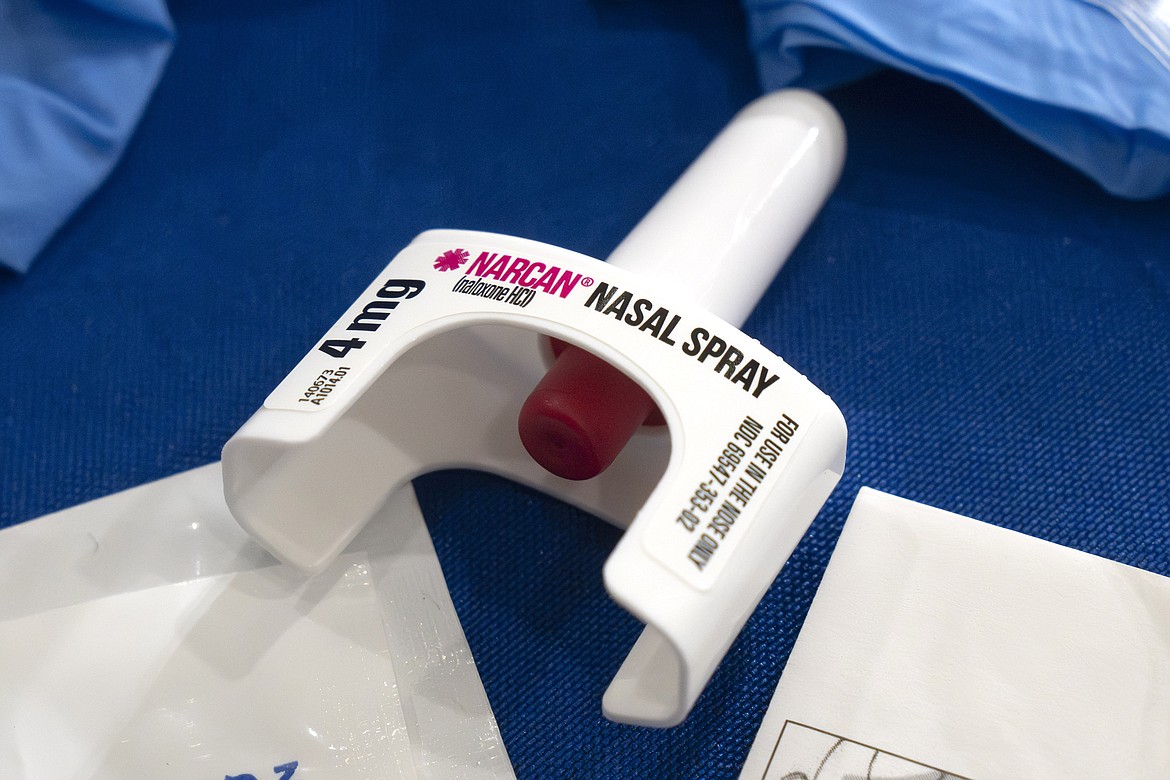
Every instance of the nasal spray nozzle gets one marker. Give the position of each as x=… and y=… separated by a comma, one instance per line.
x=718, y=236
x=431, y=365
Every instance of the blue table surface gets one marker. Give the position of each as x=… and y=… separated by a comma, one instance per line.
x=995, y=329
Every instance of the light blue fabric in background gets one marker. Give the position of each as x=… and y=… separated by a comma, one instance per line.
x=1065, y=74
x=74, y=78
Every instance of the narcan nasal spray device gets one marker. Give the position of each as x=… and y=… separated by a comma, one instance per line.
x=445, y=362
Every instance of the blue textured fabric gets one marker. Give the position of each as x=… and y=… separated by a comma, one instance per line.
x=995, y=328
x=1064, y=74
x=74, y=77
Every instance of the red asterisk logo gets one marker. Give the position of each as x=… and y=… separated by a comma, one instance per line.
x=451, y=259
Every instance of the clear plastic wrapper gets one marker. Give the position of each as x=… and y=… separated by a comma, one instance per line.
x=145, y=635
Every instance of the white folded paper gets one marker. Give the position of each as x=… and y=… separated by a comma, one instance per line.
x=942, y=647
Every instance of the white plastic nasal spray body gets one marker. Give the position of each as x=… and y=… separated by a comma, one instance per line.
x=431, y=368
